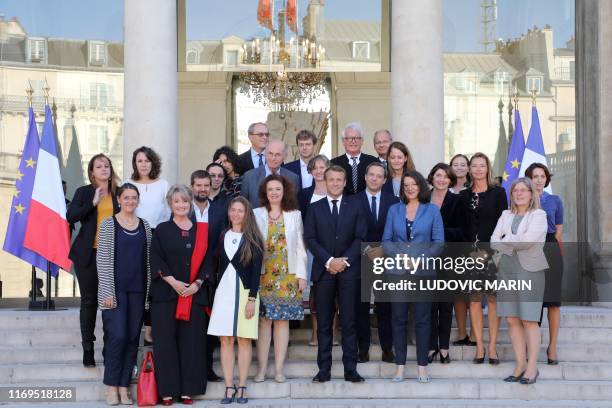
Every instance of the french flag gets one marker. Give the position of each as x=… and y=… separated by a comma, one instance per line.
x=47, y=232
x=534, y=148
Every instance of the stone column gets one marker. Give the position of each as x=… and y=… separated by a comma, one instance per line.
x=417, y=79
x=150, y=82
x=593, y=147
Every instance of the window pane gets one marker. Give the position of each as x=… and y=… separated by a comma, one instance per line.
x=76, y=47
x=492, y=48
x=215, y=28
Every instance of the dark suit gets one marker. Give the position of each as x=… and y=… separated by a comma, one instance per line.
x=252, y=179
x=388, y=187
x=83, y=254
x=376, y=227
x=296, y=167
x=245, y=161
x=364, y=161
x=326, y=240
x=304, y=197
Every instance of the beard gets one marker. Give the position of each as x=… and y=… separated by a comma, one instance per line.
x=201, y=198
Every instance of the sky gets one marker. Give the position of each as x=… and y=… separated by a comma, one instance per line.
x=215, y=19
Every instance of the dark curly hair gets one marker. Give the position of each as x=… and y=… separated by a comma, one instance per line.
x=424, y=195
x=289, y=201
x=153, y=158
x=231, y=155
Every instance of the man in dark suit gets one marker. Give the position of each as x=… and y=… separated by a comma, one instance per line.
x=354, y=162
x=254, y=157
x=374, y=203
x=215, y=215
x=382, y=141
x=276, y=152
x=333, y=232
x=306, y=141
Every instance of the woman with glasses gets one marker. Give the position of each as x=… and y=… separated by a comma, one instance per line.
x=519, y=239
x=414, y=220
x=485, y=202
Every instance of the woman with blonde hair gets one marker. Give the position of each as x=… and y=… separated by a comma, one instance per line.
x=519, y=239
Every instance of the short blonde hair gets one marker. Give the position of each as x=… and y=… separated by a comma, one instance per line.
x=534, y=204
x=185, y=193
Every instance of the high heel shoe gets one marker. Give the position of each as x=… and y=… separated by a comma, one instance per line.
x=242, y=399
x=513, y=378
x=526, y=381
x=432, y=356
x=228, y=400
x=445, y=359
x=550, y=360
x=494, y=361
x=479, y=360
x=464, y=342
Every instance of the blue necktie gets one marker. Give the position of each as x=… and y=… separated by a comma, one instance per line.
x=373, y=208
x=335, y=214
x=260, y=160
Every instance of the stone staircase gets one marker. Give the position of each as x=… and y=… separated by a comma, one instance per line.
x=43, y=349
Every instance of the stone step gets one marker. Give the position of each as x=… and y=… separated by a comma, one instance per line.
x=72, y=337
x=377, y=403
x=571, y=316
x=50, y=354
x=69, y=372
x=460, y=390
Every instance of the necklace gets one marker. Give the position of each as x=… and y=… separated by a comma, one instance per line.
x=129, y=224
x=275, y=218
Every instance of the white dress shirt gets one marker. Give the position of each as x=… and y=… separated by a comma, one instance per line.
x=255, y=157
x=306, y=176
x=201, y=216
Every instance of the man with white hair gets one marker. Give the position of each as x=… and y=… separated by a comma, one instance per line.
x=354, y=161
x=382, y=141
x=276, y=153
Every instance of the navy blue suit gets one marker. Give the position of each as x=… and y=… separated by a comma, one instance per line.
x=388, y=187
x=326, y=240
x=304, y=197
x=376, y=227
x=296, y=167
x=364, y=161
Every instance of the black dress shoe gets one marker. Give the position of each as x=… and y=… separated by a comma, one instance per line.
x=353, y=376
x=445, y=360
x=512, y=378
x=464, y=342
x=363, y=357
x=321, y=378
x=212, y=377
x=388, y=357
x=88, y=358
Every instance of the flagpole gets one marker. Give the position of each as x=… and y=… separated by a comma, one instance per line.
x=33, y=302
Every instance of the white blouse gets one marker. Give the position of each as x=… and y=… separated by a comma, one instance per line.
x=153, y=206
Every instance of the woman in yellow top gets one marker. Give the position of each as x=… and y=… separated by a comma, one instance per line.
x=90, y=206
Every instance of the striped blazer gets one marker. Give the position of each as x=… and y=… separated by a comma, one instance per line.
x=105, y=261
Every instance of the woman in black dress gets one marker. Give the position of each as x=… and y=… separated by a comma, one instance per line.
x=484, y=201
x=179, y=295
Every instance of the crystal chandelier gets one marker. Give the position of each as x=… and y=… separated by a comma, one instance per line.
x=282, y=74
x=282, y=91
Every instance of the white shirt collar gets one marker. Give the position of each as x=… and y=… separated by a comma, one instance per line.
x=350, y=160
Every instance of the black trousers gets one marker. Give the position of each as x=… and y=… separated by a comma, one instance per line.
x=122, y=327
x=87, y=276
x=441, y=320
x=179, y=350
x=364, y=334
x=399, y=324
x=347, y=291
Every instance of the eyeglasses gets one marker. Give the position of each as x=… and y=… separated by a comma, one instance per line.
x=260, y=134
x=353, y=139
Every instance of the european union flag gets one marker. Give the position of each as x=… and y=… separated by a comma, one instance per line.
x=20, y=207
x=515, y=155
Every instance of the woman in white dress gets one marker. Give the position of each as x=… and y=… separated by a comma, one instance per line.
x=235, y=312
x=153, y=207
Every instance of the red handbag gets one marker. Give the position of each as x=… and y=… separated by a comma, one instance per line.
x=147, y=386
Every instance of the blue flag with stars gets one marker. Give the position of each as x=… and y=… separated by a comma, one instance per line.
x=515, y=155
x=20, y=207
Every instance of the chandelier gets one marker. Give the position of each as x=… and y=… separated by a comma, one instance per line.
x=282, y=91
x=282, y=74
